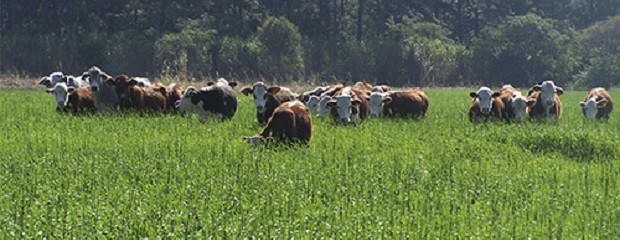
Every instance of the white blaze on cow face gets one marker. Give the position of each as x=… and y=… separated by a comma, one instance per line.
x=519, y=105
x=484, y=97
x=344, y=105
x=61, y=94
x=591, y=106
x=548, y=90
x=322, y=109
x=376, y=101
x=259, y=92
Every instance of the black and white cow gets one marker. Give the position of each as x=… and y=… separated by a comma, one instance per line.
x=217, y=100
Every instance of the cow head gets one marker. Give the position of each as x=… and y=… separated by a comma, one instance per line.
x=46, y=81
x=322, y=109
x=346, y=106
x=377, y=100
x=190, y=101
x=484, y=96
x=519, y=105
x=52, y=79
x=260, y=92
x=61, y=93
x=97, y=78
x=313, y=102
x=591, y=106
x=548, y=91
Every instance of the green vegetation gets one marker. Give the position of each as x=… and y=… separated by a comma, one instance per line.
x=101, y=176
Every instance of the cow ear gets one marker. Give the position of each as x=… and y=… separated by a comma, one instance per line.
x=559, y=91
x=473, y=94
x=44, y=81
x=64, y=79
x=531, y=102
x=387, y=99
x=356, y=102
x=331, y=104
x=132, y=82
x=536, y=88
x=367, y=98
x=70, y=89
x=582, y=103
x=232, y=84
x=273, y=90
x=161, y=89
x=602, y=103
x=495, y=94
x=210, y=83
x=246, y=91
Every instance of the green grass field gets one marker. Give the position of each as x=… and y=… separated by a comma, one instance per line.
x=128, y=177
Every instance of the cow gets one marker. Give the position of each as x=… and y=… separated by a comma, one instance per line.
x=80, y=99
x=318, y=105
x=290, y=123
x=173, y=93
x=410, y=103
x=515, y=104
x=317, y=91
x=72, y=81
x=218, y=100
x=104, y=94
x=52, y=79
x=267, y=98
x=364, y=86
x=548, y=105
x=132, y=96
x=597, y=104
x=349, y=105
x=485, y=105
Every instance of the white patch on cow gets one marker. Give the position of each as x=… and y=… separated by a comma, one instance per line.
x=56, y=77
x=590, y=107
x=61, y=94
x=185, y=104
x=484, y=97
x=313, y=103
x=344, y=104
x=142, y=81
x=519, y=104
x=322, y=108
x=46, y=81
x=259, y=91
x=548, y=91
x=378, y=89
x=376, y=102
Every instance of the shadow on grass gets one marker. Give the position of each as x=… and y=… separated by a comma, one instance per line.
x=580, y=147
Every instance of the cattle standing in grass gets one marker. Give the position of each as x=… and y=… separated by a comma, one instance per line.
x=52, y=79
x=218, y=99
x=548, y=105
x=515, y=104
x=411, y=103
x=104, y=95
x=80, y=99
x=290, y=122
x=485, y=105
x=173, y=93
x=597, y=104
x=349, y=105
x=267, y=99
x=132, y=96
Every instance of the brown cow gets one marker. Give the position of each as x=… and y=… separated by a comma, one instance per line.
x=140, y=98
x=410, y=103
x=597, y=104
x=485, y=105
x=290, y=123
x=79, y=99
x=548, y=105
x=267, y=98
x=173, y=93
x=515, y=104
x=349, y=105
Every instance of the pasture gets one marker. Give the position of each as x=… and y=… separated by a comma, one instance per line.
x=132, y=176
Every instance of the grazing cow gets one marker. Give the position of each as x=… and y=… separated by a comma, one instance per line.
x=410, y=103
x=267, y=98
x=548, y=105
x=349, y=105
x=485, y=105
x=80, y=99
x=597, y=104
x=132, y=96
x=515, y=104
x=104, y=95
x=218, y=99
x=52, y=79
x=290, y=123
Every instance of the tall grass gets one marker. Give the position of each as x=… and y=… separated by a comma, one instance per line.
x=110, y=176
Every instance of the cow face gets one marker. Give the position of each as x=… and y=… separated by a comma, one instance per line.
x=591, y=106
x=376, y=101
x=260, y=92
x=484, y=96
x=548, y=90
x=95, y=76
x=519, y=105
x=52, y=79
x=61, y=93
x=189, y=102
x=322, y=109
x=346, y=106
x=313, y=102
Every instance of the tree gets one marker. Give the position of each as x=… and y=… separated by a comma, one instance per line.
x=599, y=44
x=280, y=52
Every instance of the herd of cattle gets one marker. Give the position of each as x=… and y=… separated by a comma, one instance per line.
x=287, y=115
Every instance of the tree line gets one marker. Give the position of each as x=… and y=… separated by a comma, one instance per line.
x=399, y=42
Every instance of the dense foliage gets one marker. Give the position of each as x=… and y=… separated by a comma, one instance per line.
x=443, y=42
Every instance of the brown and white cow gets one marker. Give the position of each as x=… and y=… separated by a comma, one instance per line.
x=548, y=105
x=597, y=104
x=79, y=99
x=515, y=104
x=132, y=96
x=267, y=98
x=349, y=105
x=290, y=123
x=409, y=103
x=486, y=105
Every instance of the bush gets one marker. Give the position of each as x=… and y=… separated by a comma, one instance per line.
x=280, y=53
